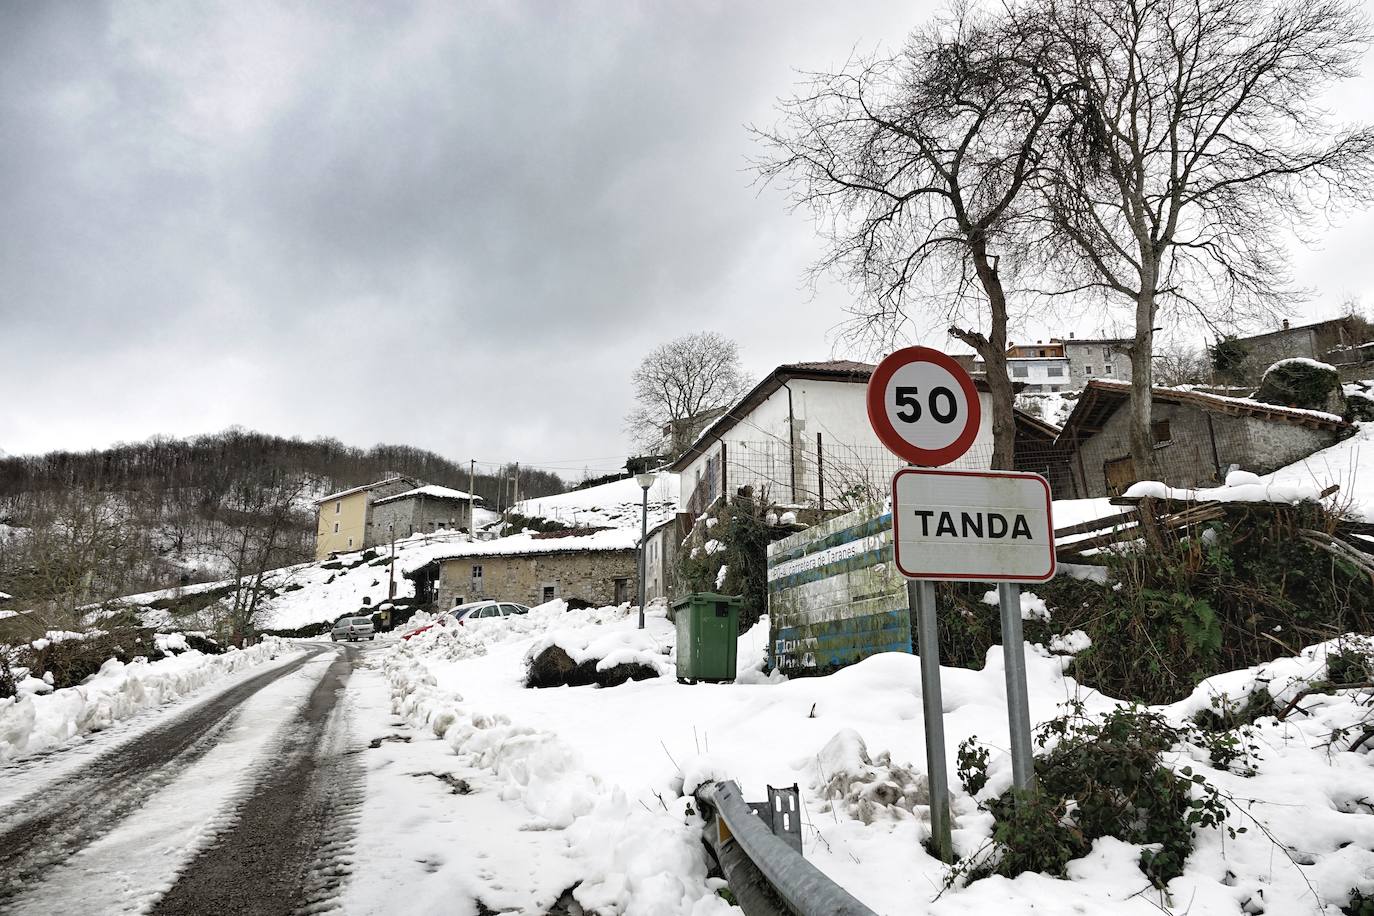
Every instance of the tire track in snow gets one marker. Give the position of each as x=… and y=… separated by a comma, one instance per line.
x=289, y=848
x=54, y=823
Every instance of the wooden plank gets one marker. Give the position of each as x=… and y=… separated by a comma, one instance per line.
x=1097, y=524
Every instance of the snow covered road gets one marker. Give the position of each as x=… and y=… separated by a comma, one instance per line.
x=236, y=804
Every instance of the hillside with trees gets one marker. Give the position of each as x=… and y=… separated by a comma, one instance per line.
x=81, y=527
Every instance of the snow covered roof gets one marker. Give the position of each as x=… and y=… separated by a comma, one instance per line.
x=366, y=486
x=5, y=597
x=429, y=491
x=529, y=543
x=1100, y=399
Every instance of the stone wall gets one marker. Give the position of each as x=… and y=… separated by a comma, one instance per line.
x=588, y=576
x=1085, y=354
x=1201, y=446
x=1273, y=445
x=415, y=514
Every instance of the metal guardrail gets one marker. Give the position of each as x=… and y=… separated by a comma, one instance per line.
x=766, y=875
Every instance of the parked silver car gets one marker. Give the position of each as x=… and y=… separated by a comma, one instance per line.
x=351, y=628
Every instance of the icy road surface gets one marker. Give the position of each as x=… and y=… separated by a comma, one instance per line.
x=239, y=803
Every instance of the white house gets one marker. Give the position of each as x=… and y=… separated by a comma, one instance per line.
x=802, y=436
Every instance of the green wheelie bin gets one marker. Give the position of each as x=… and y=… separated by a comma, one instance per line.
x=707, y=636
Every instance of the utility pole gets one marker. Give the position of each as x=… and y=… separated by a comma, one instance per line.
x=472, y=499
x=515, y=486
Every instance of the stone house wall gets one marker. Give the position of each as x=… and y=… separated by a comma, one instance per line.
x=1099, y=356
x=1271, y=445
x=413, y=515
x=589, y=576
x=1201, y=446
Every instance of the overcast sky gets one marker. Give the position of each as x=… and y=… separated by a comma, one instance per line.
x=456, y=226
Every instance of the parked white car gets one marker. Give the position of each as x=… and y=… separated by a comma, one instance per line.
x=353, y=628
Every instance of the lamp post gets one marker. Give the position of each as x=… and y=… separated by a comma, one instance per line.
x=391, y=572
x=645, y=481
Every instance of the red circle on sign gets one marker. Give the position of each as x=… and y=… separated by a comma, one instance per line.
x=882, y=423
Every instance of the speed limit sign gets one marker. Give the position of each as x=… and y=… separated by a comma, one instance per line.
x=924, y=406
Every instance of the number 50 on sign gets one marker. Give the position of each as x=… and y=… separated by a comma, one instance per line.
x=924, y=406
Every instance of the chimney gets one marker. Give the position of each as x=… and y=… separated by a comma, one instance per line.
x=1285, y=324
x=1071, y=335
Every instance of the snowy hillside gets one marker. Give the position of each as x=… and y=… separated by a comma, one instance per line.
x=614, y=505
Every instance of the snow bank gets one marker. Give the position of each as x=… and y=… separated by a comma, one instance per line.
x=633, y=859
x=609, y=648
x=1249, y=489
x=36, y=721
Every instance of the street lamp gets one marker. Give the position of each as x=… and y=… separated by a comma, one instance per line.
x=645, y=481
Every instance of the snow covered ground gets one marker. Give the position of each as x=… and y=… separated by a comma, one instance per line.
x=605, y=769
x=615, y=505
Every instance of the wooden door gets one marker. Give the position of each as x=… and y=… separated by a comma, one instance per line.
x=1120, y=474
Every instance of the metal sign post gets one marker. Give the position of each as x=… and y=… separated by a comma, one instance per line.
x=921, y=596
x=981, y=526
x=925, y=408
x=962, y=526
x=1018, y=704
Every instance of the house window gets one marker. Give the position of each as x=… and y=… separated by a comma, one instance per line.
x=1107, y=370
x=1055, y=371
x=337, y=506
x=1161, y=432
x=350, y=542
x=336, y=527
x=548, y=591
x=1019, y=372
x=476, y=572
x=1107, y=354
x=1087, y=370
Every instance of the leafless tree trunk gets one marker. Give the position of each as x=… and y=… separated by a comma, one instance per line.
x=1192, y=139
x=915, y=168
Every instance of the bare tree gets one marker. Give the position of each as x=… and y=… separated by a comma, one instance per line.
x=1192, y=141
x=1182, y=365
x=260, y=515
x=680, y=387
x=915, y=167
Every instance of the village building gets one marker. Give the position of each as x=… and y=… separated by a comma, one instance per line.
x=1095, y=358
x=662, y=553
x=1198, y=438
x=801, y=437
x=344, y=520
x=589, y=557
x=1336, y=340
x=586, y=569
x=1038, y=368
x=422, y=509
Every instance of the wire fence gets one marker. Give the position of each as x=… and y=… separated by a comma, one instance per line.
x=828, y=475
x=1192, y=449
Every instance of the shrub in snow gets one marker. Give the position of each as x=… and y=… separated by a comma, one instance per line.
x=864, y=787
x=1222, y=596
x=1302, y=383
x=1101, y=777
x=1359, y=405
